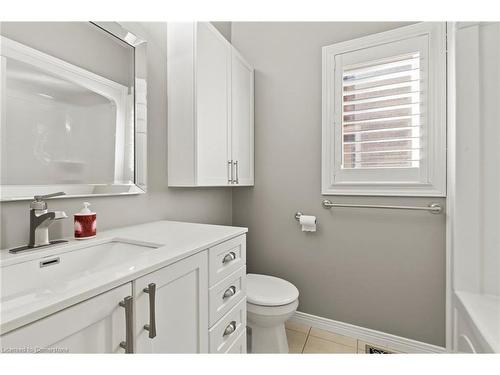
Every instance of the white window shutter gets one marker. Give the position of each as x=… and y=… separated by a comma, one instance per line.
x=384, y=120
x=381, y=113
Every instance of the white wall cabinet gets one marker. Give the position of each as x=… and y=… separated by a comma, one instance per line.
x=177, y=308
x=210, y=109
x=242, y=139
x=96, y=325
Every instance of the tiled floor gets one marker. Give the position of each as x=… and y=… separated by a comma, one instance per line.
x=306, y=339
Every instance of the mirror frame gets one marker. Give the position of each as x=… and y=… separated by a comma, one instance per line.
x=26, y=192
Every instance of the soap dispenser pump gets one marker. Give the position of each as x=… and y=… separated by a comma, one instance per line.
x=85, y=223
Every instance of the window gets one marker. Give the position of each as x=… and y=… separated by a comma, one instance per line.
x=381, y=114
x=384, y=113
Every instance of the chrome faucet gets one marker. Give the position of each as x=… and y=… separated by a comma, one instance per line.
x=41, y=218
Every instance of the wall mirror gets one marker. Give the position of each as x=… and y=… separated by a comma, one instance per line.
x=70, y=121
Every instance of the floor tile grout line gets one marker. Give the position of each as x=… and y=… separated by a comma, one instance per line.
x=354, y=348
x=308, y=334
x=305, y=342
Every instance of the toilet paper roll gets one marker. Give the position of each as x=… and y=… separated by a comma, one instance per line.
x=308, y=223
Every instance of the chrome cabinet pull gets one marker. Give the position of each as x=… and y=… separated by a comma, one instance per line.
x=236, y=179
x=229, y=171
x=151, y=327
x=230, y=329
x=229, y=257
x=128, y=305
x=231, y=291
x=232, y=171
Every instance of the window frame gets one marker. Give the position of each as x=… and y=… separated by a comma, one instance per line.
x=431, y=175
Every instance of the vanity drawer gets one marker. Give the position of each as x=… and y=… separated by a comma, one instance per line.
x=224, y=295
x=239, y=346
x=226, y=258
x=228, y=329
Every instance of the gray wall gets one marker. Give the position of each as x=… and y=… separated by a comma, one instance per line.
x=383, y=270
x=224, y=28
x=161, y=202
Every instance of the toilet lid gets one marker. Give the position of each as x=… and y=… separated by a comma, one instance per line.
x=266, y=290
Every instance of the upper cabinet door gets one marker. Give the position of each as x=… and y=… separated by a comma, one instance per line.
x=242, y=97
x=210, y=109
x=177, y=308
x=213, y=59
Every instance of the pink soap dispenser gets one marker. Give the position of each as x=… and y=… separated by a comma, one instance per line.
x=85, y=223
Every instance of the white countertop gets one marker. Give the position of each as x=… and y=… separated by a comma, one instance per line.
x=176, y=240
x=484, y=311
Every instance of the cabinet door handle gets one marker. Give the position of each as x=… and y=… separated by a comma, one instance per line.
x=230, y=329
x=151, y=327
x=229, y=171
x=236, y=179
x=229, y=257
x=231, y=291
x=128, y=305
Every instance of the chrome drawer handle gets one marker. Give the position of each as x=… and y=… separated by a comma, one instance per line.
x=231, y=291
x=229, y=257
x=230, y=329
x=151, y=327
x=128, y=305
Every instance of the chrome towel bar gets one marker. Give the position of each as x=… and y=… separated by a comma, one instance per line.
x=433, y=208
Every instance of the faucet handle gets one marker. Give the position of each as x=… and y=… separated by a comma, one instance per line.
x=39, y=198
x=39, y=204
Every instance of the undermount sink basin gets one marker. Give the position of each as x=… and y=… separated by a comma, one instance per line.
x=72, y=262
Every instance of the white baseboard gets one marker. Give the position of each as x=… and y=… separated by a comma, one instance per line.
x=393, y=342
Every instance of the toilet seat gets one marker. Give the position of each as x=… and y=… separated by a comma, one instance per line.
x=264, y=290
x=271, y=311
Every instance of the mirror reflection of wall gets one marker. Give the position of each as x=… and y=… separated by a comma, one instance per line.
x=57, y=99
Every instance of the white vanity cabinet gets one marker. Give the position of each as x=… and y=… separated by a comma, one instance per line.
x=227, y=296
x=210, y=102
x=97, y=325
x=196, y=304
x=173, y=302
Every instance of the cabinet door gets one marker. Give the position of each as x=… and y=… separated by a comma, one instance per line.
x=180, y=308
x=213, y=59
x=242, y=119
x=93, y=326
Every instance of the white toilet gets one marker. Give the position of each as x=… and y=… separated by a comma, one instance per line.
x=270, y=302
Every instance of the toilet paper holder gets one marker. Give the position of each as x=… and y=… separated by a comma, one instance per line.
x=307, y=222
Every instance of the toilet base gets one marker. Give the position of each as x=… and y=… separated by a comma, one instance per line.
x=267, y=327
x=268, y=339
